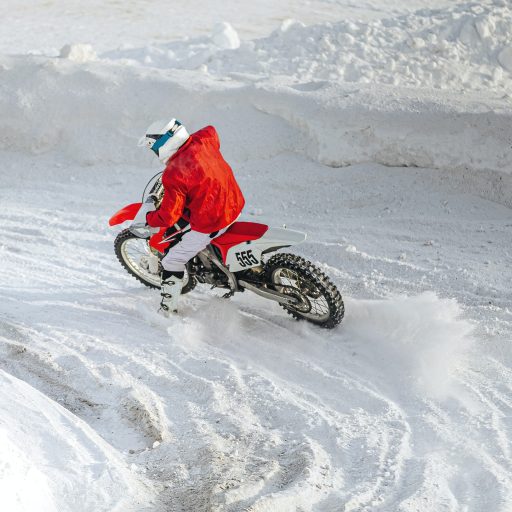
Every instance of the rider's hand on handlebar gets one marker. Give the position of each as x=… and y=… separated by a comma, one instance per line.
x=152, y=199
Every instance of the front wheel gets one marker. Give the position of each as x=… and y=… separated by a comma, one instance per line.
x=318, y=299
x=142, y=262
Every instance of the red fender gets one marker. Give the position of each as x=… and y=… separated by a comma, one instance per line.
x=127, y=213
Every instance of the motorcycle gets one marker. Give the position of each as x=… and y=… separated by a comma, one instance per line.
x=235, y=261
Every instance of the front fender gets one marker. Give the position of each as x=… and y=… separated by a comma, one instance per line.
x=129, y=212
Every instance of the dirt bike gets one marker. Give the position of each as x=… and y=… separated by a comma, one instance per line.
x=235, y=261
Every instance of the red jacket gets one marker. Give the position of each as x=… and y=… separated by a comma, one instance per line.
x=198, y=179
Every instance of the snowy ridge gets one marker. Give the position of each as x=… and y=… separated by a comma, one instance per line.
x=68, y=104
x=57, y=439
x=464, y=48
x=136, y=24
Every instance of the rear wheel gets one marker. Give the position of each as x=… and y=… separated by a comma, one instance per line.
x=318, y=299
x=143, y=262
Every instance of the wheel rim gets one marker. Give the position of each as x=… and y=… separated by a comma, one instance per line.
x=133, y=251
x=319, y=310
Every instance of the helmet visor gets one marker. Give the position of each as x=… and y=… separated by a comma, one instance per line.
x=159, y=142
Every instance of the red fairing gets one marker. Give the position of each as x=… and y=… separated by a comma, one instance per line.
x=238, y=233
x=127, y=213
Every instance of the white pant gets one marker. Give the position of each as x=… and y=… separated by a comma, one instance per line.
x=191, y=243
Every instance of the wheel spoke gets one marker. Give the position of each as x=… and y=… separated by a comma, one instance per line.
x=133, y=250
x=316, y=297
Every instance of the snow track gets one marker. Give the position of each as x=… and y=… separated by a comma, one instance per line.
x=234, y=406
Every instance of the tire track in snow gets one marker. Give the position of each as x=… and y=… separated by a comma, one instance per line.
x=313, y=413
x=101, y=397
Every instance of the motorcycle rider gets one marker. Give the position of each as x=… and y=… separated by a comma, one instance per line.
x=199, y=187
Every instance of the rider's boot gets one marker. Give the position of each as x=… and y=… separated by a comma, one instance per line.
x=171, y=285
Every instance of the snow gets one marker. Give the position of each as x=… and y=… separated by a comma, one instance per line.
x=35, y=27
x=381, y=132
x=225, y=37
x=42, y=444
x=390, y=126
x=505, y=58
x=470, y=44
x=78, y=52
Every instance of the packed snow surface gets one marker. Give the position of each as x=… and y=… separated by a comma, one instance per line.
x=381, y=130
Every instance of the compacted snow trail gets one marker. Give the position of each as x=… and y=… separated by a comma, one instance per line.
x=235, y=406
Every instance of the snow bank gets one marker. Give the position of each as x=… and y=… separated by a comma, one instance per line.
x=463, y=48
x=341, y=126
x=186, y=53
x=338, y=93
x=17, y=473
x=38, y=439
x=466, y=47
x=94, y=112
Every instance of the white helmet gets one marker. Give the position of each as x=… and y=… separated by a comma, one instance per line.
x=165, y=138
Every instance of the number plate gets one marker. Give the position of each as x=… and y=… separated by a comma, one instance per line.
x=241, y=258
